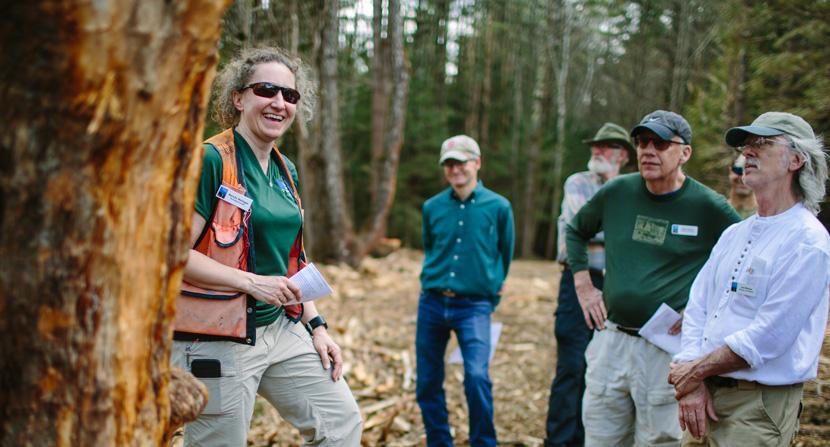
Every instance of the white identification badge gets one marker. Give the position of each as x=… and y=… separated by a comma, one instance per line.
x=746, y=289
x=684, y=230
x=235, y=198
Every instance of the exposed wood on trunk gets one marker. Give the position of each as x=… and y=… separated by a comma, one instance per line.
x=100, y=158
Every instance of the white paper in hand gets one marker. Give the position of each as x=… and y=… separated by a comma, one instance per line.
x=495, y=332
x=656, y=329
x=311, y=283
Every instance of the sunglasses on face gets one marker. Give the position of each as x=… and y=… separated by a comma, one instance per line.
x=642, y=142
x=269, y=90
x=738, y=170
x=762, y=143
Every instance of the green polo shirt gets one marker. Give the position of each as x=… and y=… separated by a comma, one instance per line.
x=654, y=244
x=468, y=244
x=275, y=215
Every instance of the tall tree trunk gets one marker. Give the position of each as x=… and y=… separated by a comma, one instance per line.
x=683, y=20
x=100, y=158
x=530, y=215
x=486, y=82
x=561, y=118
x=397, y=78
x=340, y=226
x=380, y=95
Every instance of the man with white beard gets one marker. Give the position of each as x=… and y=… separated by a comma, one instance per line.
x=609, y=152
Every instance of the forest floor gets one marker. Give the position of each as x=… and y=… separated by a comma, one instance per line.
x=372, y=316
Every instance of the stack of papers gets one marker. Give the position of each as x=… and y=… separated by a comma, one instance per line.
x=656, y=329
x=311, y=283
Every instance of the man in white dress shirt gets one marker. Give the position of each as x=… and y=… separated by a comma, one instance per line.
x=757, y=311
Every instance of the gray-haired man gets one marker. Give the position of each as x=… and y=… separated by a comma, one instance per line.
x=757, y=311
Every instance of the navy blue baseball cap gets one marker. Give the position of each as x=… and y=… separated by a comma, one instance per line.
x=666, y=125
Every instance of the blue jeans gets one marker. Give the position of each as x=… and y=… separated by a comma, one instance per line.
x=469, y=317
x=564, y=424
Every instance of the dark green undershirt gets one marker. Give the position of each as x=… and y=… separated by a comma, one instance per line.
x=275, y=216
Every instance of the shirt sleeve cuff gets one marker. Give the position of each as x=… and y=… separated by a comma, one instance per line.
x=741, y=344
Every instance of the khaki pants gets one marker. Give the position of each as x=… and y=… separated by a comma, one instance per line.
x=285, y=369
x=628, y=400
x=752, y=415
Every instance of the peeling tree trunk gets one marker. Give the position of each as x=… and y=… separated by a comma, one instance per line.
x=99, y=159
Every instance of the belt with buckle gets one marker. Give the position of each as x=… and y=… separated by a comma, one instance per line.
x=445, y=292
x=632, y=331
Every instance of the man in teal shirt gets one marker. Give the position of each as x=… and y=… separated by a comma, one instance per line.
x=468, y=243
x=660, y=226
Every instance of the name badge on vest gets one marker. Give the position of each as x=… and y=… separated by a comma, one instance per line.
x=235, y=198
x=684, y=230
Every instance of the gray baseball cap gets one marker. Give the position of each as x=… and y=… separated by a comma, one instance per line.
x=771, y=124
x=666, y=125
x=459, y=147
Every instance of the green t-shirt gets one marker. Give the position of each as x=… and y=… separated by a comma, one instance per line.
x=275, y=216
x=654, y=245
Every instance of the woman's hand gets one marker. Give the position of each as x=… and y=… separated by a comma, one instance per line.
x=330, y=353
x=276, y=290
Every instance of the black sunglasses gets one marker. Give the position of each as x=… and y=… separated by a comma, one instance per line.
x=269, y=90
x=738, y=170
x=660, y=144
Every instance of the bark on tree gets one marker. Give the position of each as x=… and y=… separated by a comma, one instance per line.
x=389, y=127
x=338, y=238
x=561, y=119
x=340, y=230
x=100, y=149
x=540, y=94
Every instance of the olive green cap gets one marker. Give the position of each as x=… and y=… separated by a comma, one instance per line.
x=613, y=133
x=771, y=124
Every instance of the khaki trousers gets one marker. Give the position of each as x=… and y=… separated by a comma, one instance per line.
x=285, y=369
x=752, y=415
x=628, y=400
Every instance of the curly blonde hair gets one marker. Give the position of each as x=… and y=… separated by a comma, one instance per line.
x=237, y=73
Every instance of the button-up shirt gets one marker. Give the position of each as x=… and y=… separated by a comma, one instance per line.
x=764, y=293
x=578, y=189
x=468, y=244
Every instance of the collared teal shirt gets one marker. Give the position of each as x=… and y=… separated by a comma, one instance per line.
x=468, y=244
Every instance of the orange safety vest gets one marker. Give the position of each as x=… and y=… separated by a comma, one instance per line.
x=215, y=315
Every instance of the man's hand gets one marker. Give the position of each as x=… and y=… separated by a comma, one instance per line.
x=685, y=378
x=677, y=326
x=590, y=299
x=695, y=407
x=329, y=352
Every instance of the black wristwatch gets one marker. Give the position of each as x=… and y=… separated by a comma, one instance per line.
x=316, y=322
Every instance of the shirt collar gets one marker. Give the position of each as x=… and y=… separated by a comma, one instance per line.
x=479, y=187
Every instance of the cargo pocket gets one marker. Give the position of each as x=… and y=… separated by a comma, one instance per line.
x=663, y=428
x=222, y=381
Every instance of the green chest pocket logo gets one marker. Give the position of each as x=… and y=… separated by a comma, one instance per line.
x=650, y=230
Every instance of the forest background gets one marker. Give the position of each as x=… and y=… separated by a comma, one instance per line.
x=529, y=80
